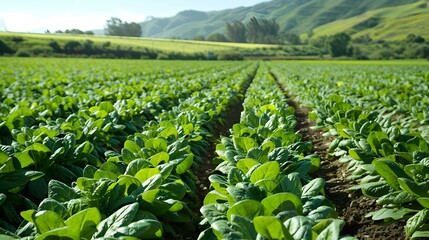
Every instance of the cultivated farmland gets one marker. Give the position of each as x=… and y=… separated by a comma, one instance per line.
x=121, y=149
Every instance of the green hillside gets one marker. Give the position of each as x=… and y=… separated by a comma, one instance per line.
x=390, y=23
x=293, y=16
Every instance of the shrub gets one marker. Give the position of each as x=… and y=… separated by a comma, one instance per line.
x=4, y=48
x=23, y=53
x=230, y=56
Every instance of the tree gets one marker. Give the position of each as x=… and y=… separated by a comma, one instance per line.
x=55, y=46
x=236, y=31
x=262, y=31
x=412, y=38
x=199, y=38
x=115, y=27
x=217, y=37
x=338, y=44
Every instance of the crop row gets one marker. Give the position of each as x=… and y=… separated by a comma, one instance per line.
x=388, y=156
x=135, y=192
x=398, y=92
x=261, y=187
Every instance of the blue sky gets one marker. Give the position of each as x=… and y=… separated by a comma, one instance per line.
x=39, y=15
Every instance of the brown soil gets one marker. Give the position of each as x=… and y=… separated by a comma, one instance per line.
x=351, y=206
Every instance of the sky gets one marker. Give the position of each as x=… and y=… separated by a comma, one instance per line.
x=52, y=15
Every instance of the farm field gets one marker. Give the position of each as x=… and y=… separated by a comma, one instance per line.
x=167, y=45
x=138, y=149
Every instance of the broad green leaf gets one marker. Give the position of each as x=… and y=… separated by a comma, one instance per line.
x=135, y=166
x=158, y=144
x=47, y=220
x=223, y=230
x=24, y=159
x=375, y=139
x=214, y=197
x=159, y=157
x=61, y=192
x=331, y=231
x=246, y=164
x=416, y=221
x=292, y=183
x=17, y=178
x=267, y=184
x=185, y=164
x=282, y=202
x=271, y=228
x=398, y=197
x=219, y=183
x=418, y=190
x=244, y=144
x=322, y=212
x=386, y=213
x=121, y=217
x=132, y=146
x=424, y=202
x=143, y=229
x=246, y=208
x=84, y=222
x=390, y=171
x=245, y=226
x=313, y=188
x=300, y=227
x=269, y=170
x=59, y=233
x=146, y=173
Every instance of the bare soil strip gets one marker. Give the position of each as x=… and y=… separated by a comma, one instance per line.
x=351, y=206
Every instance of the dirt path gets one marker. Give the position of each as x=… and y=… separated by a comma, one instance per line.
x=351, y=206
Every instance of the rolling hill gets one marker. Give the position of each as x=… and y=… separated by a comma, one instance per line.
x=301, y=16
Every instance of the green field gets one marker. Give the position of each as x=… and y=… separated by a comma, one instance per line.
x=390, y=23
x=141, y=149
x=167, y=45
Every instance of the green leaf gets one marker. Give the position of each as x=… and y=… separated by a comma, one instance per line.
x=185, y=164
x=158, y=144
x=143, y=229
x=271, y=228
x=331, y=231
x=269, y=170
x=424, y=202
x=244, y=144
x=300, y=227
x=418, y=190
x=390, y=171
x=132, y=146
x=416, y=221
x=386, y=213
x=282, y=202
x=313, y=188
x=292, y=183
x=61, y=192
x=17, y=178
x=122, y=217
x=24, y=159
x=214, y=197
x=47, y=220
x=85, y=222
x=246, y=208
x=246, y=164
x=376, y=139
x=38, y=147
x=146, y=173
x=2, y=198
x=398, y=197
x=159, y=158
